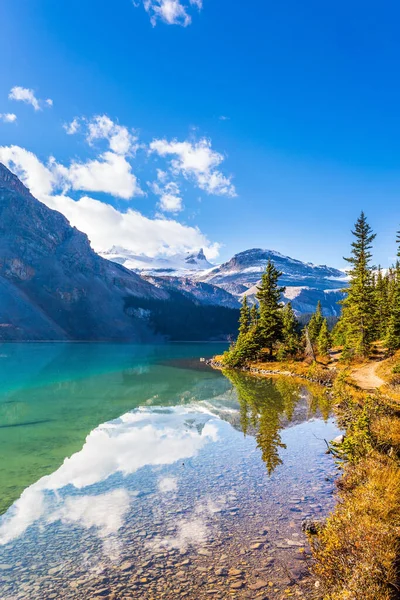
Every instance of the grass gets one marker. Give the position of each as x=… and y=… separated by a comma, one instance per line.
x=357, y=551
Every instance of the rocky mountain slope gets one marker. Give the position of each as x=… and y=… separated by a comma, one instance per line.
x=198, y=291
x=52, y=284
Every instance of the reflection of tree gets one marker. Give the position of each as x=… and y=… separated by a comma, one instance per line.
x=266, y=403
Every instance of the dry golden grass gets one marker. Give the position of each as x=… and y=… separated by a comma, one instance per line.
x=386, y=432
x=357, y=551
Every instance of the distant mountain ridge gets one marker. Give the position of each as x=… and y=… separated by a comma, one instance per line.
x=176, y=264
x=245, y=269
x=305, y=283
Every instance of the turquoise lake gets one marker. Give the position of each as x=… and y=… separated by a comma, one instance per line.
x=139, y=472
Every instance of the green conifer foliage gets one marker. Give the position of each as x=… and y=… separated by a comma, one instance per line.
x=359, y=305
x=270, y=321
x=392, y=340
x=382, y=304
x=315, y=324
x=324, y=339
x=254, y=315
x=290, y=337
x=244, y=320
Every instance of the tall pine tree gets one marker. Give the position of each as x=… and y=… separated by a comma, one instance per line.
x=393, y=329
x=270, y=320
x=358, y=315
x=315, y=324
x=324, y=339
x=290, y=336
x=245, y=319
x=382, y=304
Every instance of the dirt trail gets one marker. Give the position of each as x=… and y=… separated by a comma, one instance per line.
x=366, y=378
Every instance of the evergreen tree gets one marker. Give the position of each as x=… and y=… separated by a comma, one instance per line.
x=254, y=316
x=244, y=320
x=290, y=337
x=393, y=330
x=315, y=324
x=270, y=321
x=324, y=339
x=359, y=305
x=382, y=304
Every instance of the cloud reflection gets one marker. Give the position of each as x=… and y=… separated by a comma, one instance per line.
x=145, y=437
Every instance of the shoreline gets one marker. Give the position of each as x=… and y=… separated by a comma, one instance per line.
x=355, y=550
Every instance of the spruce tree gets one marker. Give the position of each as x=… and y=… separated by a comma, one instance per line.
x=382, y=304
x=393, y=330
x=315, y=324
x=244, y=320
x=324, y=339
x=358, y=315
x=254, y=316
x=270, y=321
x=290, y=336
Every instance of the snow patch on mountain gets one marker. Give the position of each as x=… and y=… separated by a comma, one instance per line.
x=175, y=265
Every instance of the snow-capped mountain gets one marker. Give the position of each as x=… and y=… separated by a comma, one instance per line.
x=305, y=283
x=193, y=275
x=176, y=265
x=246, y=268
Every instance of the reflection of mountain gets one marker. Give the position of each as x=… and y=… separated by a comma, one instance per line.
x=268, y=405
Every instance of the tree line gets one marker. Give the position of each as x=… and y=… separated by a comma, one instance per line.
x=269, y=330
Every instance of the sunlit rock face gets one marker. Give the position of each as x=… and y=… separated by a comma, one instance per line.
x=52, y=284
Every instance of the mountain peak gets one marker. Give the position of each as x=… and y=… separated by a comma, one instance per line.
x=10, y=182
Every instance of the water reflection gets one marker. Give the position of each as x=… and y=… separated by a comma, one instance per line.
x=163, y=486
x=53, y=395
x=268, y=405
x=138, y=439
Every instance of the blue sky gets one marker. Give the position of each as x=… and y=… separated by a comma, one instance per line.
x=265, y=125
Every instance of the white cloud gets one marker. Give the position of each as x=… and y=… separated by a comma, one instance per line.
x=26, y=165
x=196, y=161
x=73, y=127
x=172, y=12
x=170, y=199
x=112, y=174
x=8, y=117
x=120, y=139
x=26, y=95
x=104, y=225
